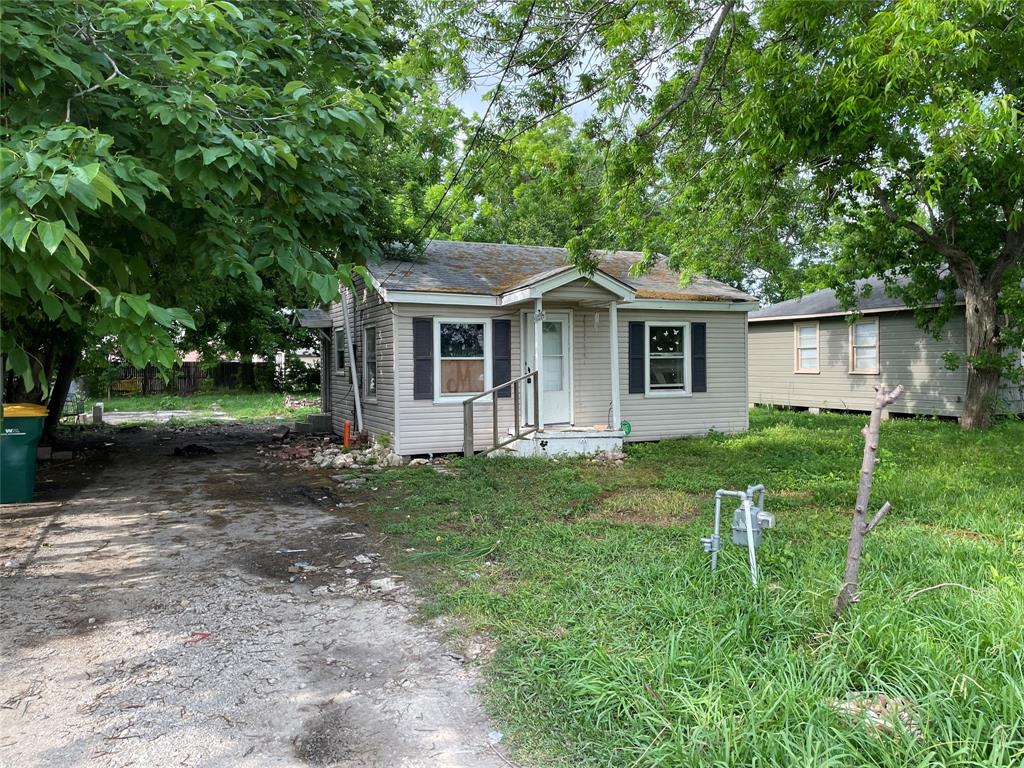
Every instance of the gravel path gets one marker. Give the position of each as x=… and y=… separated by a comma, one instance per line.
x=149, y=621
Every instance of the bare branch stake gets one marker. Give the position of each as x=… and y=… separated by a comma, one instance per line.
x=860, y=527
x=878, y=517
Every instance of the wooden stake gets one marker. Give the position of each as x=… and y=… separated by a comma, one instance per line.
x=860, y=527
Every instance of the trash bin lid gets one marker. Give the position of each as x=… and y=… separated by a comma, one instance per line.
x=18, y=410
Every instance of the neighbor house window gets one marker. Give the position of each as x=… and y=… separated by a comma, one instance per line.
x=370, y=362
x=864, y=346
x=806, y=342
x=462, y=363
x=339, y=350
x=667, y=351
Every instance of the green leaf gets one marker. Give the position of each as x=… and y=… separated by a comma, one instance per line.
x=32, y=161
x=182, y=317
x=293, y=86
x=75, y=243
x=210, y=154
x=51, y=306
x=18, y=362
x=22, y=230
x=138, y=304
x=161, y=315
x=51, y=233
x=84, y=193
x=103, y=182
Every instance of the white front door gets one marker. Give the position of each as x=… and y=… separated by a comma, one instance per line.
x=555, y=374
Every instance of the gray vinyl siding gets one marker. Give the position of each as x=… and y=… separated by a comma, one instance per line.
x=378, y=413
x=908, y=355
x=722, y=408
x=427, y=427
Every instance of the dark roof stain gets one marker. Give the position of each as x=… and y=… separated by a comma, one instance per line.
x=491, y=269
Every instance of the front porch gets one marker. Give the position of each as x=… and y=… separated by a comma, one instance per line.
x=569, y=441
x=563, y=377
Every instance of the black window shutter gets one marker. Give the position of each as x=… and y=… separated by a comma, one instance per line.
x=423, y=358
x=501, y=353
x=699, y=346
x=636, y=358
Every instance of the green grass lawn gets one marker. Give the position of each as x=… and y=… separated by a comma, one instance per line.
x=617, y=647
x=244, y=406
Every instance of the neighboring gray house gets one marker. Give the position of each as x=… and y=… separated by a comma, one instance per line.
x=811, y=352
x=465, y=318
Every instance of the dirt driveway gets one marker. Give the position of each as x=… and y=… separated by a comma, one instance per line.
x=149, y=621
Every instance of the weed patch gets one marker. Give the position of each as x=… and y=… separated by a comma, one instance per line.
x=618, y=647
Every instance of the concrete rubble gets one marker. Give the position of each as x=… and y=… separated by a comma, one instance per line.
x=325, y=453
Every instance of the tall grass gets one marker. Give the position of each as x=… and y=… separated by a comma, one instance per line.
x=617, y=647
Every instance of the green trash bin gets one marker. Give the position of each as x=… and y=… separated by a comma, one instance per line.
x=22, y=426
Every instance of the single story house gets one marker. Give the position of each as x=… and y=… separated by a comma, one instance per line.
x=811, y=352
x=620, y=357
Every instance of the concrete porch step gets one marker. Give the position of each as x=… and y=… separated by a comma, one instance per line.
x=569, y=441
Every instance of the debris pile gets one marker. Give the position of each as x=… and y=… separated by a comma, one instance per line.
x=613, y=456
x=294, y=403
x=880, y=713
x=325, y=453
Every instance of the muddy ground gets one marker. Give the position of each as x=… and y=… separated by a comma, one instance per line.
x=148, y=620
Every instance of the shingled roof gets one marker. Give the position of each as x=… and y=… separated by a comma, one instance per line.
x=825, y=303
x=491, y=269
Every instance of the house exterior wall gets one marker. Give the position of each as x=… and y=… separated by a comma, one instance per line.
x=425, y=426
x=907, y=355
x=722, y=408
x=364, y=309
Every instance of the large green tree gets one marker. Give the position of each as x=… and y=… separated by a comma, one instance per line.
x=855, y=137
x=544, y=187
x=150, y=150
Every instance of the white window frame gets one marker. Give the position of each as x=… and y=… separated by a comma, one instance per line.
x=687, y=390
x=796, y=346
x=853, y=348
x=488, y=359
x=367, y=331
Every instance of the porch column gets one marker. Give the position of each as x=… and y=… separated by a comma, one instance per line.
x=538, y=358
x=613, y=356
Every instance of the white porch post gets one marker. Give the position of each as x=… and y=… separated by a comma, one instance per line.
x=613, y=356
x=538, y=357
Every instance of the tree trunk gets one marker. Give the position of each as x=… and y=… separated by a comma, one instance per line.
x=67, y=365
x=983, y=353
x=861, y=527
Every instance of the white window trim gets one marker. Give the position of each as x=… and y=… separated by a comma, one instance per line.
x=687, y=390
x=854, y=370
x=367, y=330
x=488, y=359
x=796, y=346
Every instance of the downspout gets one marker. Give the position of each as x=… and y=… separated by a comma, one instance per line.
x=352, y=364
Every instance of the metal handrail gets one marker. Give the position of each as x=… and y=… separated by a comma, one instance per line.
x=468, y=448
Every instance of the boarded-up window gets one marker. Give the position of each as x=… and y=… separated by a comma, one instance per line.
x=462, y=358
